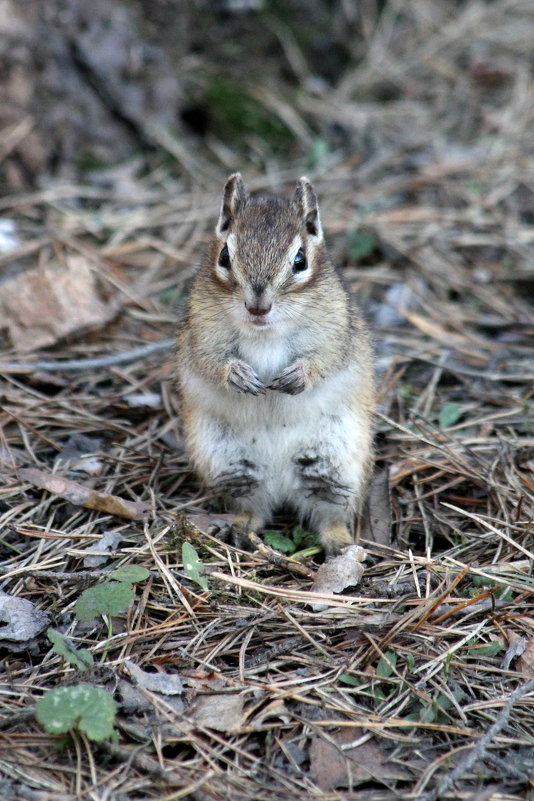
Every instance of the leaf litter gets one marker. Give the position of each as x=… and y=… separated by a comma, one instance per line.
x=420, y=675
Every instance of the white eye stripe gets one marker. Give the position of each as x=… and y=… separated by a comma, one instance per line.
x=223, y=273
x=294, y=248
x=230, y=244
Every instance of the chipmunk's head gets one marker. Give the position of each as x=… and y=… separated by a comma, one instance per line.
x=267, y=252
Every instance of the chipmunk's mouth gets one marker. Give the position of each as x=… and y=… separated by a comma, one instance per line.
x=258, y=321
x=259, y=316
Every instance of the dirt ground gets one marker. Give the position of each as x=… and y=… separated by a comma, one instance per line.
x=418, y=683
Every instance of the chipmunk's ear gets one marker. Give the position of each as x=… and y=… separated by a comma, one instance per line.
x=234, y=197
x=306, y=202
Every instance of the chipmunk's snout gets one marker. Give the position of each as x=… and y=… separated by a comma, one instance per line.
x=258, y=302
x=259, y=311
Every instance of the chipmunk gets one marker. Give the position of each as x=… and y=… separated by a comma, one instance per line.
x=275, y=370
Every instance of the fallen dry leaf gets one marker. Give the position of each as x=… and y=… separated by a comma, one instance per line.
x=132, y=699
x=78, y=453
x=516, y=647
x=84, y=496
x=207, y=522
x=41, y=305
x=221, y=712
x=335, y=575
x=332, y=767
x=201, y=679
x=525, y=663
x=521, y=649
x=101, y=549
x=23, y=621
x=164, y=683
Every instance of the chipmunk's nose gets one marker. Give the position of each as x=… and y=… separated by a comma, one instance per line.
x=259, y=304
x=259, y=311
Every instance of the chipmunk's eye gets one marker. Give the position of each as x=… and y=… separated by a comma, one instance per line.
x=300, y=263
x=224, y=258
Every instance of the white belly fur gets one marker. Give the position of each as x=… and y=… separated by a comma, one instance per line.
x=272, y=429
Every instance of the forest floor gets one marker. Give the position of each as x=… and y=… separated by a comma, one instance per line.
x=417, y=683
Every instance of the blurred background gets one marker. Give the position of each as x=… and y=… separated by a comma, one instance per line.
x=198, y=87
x=121, y=119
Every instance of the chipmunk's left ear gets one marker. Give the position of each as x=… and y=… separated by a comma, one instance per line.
x=234, y=198
x=306, y=202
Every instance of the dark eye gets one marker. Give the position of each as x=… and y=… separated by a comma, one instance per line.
x=300, y=262
x=224, y=258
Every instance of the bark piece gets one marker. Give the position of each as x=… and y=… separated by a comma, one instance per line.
x=337, y=574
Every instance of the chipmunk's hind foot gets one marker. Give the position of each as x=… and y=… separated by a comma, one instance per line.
x=334, y=537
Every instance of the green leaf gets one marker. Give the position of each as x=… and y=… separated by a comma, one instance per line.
x=427, y=714
x=130, y=573
x=80, y=658
x=193, y=565
x=492, y=649
x=449, y=415
x=87, y=708
x=103, y=599
x=279, y=542
x=298, y=535
x=360, y=244
x=346, y=678
x=303, y=538
x=386, y=664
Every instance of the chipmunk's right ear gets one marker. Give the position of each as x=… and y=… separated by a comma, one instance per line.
x=234, y=198
x=306, y=202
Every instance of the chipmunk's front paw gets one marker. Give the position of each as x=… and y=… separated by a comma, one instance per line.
x=243, y=379
x=292, y=380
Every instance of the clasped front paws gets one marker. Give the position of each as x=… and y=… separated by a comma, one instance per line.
x=291, y=381
x=243, y=379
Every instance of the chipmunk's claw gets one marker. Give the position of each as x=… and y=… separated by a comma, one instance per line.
x=244, y=380
x=292, y=380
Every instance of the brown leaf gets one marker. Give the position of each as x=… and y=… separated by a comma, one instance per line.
x=205, y=522
x=84, y=496
x=335, y=575
x=331, y=767
x=202, y=679
x=219, y=712
x=42, y=305
x=525, y=663
x=376, y=519
x=521, y=649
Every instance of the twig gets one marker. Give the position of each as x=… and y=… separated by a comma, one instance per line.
x=278, y=559
x=264, y=655
x=78, y=575
x=479, y=750
x=87, y=364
